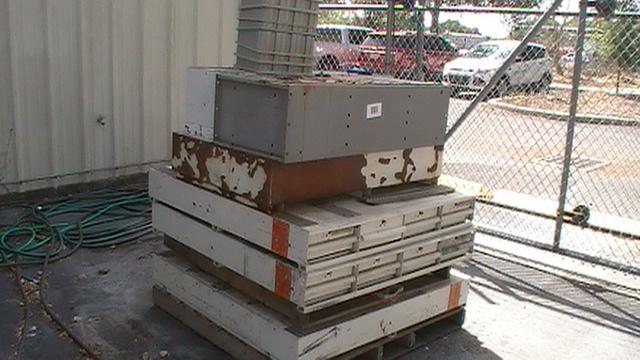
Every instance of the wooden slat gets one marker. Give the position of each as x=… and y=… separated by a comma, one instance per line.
x=263, y=329
x=408, y=339
x=205, y=328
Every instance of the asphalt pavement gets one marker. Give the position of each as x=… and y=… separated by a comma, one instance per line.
x=513, y=312
x=504, y=150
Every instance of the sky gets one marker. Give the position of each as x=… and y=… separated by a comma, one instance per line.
x=491, y=25
x=494, y=25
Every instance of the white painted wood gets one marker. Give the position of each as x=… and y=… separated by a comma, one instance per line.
x=218, y=246
x=66, y=63
x=319, y=231
x=199, y=292
x=228, y=215
x=324, y=282
x=262, y=329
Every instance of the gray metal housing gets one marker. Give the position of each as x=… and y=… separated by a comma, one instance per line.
x=311, y=118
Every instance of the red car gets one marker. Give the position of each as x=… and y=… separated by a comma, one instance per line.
x=337, y=46
x=437, y=52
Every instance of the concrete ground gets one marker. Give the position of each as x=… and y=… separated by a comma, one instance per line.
x=514, y=312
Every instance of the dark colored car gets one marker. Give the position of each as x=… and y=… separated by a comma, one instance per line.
x=437, y=52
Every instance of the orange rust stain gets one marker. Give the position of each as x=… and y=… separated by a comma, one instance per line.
x=285, y=183
x=403, y=175
x=434, y=167
x=454, y=296
x=280, y=237
x=283, y=281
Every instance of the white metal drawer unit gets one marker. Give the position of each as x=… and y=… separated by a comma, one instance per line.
x=306, y=233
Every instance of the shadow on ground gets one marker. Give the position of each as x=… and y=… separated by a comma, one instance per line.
x=105, y=297
x=618, y=310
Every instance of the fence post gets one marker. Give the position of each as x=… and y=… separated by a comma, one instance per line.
x=388, y=61
x=419, y=70
x=435, y=17
x=571, y=123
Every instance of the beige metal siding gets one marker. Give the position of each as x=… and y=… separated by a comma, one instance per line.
x=96, y=84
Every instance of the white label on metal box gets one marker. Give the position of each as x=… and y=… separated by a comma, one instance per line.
x=374, y=110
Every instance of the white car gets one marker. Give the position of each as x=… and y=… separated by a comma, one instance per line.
x=472, y=71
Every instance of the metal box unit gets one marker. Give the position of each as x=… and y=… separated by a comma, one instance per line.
x=265, y=330
x=312, y=118
x=313, y=230
x=268, y=184
x=277, y=36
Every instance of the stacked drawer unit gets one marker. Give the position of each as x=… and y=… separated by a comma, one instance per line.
x=316, y=255
x=269, y=142
x=289, y=273
x=303, y=215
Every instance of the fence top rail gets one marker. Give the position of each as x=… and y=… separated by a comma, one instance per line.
x=469, y=9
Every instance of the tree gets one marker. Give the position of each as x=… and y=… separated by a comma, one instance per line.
x=406, y=19
x=457, y=27
x=619, y=44
x=375, y=19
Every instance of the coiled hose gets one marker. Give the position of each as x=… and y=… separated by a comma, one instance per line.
x=102, y=218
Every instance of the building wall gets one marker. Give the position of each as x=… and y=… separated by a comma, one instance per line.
x=89, y=85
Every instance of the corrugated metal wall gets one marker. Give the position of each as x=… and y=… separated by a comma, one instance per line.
x=96, y=84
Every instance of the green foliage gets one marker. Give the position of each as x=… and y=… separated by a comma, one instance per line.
x=619, y=42
x=457, y=27
x=406, y=20
x=375, y=19
x=496, y=3
x=337, y=17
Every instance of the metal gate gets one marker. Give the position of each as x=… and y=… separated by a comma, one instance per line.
x=546, y=131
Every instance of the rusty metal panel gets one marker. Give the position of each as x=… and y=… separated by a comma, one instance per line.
x=268, y=184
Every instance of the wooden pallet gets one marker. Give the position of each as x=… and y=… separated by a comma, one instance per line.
x=270, y=333
x=387, y=348
x=303, y=323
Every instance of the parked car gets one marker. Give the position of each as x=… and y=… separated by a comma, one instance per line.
x=568, y=59
x=437, y=52
x=337, y=46
x=471, y=72
x=463, y=40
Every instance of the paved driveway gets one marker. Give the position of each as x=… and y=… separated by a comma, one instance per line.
x=523, y=154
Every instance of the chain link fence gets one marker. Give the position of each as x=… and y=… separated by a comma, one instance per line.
x=556, y=126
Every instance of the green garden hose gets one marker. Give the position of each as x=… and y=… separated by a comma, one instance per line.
x=102, y=218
